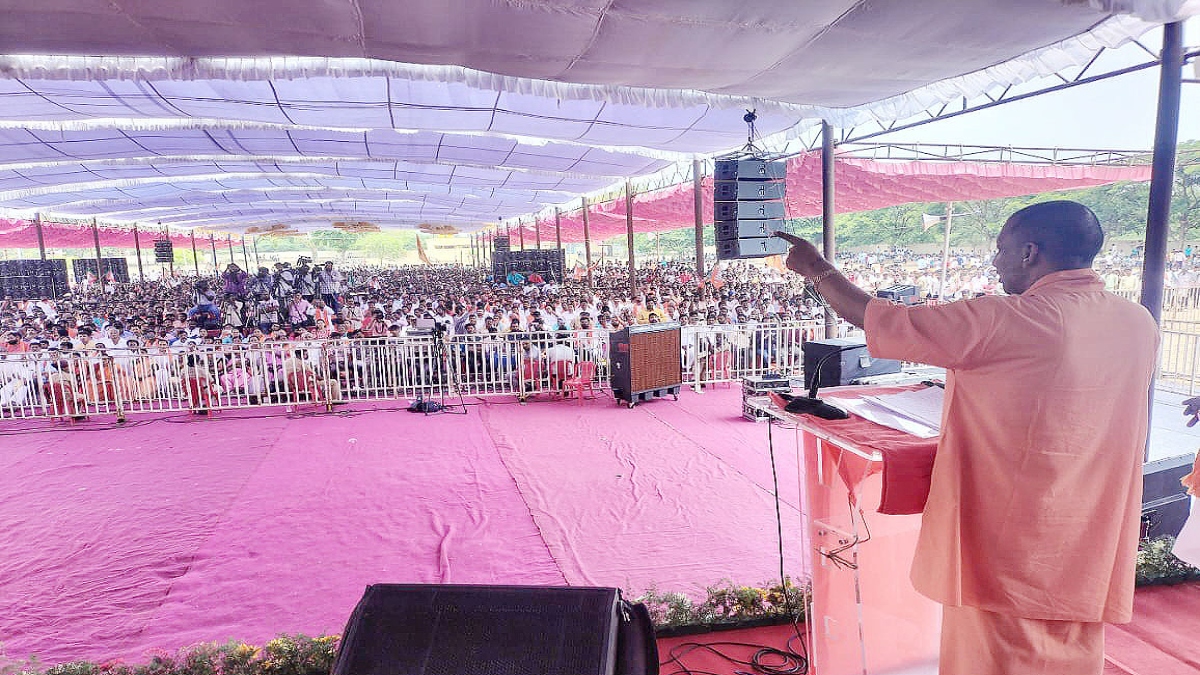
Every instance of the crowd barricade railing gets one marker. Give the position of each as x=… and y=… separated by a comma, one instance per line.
x=324, y=373
x=1179, y=358
x=730, y=352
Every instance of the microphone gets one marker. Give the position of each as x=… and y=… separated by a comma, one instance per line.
x=810, y=404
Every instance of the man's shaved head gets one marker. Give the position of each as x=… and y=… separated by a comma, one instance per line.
x=1067, y=233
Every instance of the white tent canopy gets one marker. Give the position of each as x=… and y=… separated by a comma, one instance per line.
x=236, y=114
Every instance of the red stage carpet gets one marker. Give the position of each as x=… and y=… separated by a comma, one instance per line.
x=178, y=530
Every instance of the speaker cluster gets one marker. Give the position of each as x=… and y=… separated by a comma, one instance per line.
x=119, y=267
x=748, y=207
x=32, y=279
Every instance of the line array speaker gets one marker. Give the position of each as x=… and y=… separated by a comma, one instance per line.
x=748, y=207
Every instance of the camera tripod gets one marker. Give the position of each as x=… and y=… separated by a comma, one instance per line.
x=443, y=363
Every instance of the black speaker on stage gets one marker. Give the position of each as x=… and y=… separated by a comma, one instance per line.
x=399, y=629
x=1165, y=502
x=905, y=293
x=501, y=244
x=842, y=361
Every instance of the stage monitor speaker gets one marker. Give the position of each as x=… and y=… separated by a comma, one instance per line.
x=1165, y=502
x=904, y=293
x=847, y=361
x=401, y=629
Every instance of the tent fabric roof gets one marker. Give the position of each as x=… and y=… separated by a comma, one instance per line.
x=235, y=115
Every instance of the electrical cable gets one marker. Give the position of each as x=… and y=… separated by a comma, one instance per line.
x=792, y=659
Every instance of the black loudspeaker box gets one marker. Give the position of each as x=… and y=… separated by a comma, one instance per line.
x=399, y=629
x=904, y=293
x=841, y=362
x=1165, y=502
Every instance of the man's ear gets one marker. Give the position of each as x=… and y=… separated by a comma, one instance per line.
x=1030, y=254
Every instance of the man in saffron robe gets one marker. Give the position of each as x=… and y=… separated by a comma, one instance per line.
x=1029, y=536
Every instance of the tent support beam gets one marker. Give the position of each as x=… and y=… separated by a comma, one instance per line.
x=698, y=206
x=829, y=246
x=137, y=247
x=212, y=240
x=558, y=230
x=195, y=256
x=1162, y=176
x=99, y=265
x=245, y=254
x=629, y=237
x=37, y=221
x=942, y=115
x=587, y=243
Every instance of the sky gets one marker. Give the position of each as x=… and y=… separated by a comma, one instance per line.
x=1113, y=114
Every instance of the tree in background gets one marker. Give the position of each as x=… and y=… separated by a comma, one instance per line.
x=333, y=240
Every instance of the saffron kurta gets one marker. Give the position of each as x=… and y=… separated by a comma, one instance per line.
x=1035, y=499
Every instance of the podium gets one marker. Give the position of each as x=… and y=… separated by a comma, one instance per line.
x=865, y=615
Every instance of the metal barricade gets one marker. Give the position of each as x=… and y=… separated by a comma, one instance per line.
x=728, y=352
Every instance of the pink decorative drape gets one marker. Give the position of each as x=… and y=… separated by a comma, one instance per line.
x=23, y=234
x=862, y=185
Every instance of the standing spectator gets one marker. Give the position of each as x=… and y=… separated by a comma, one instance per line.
x=330, y=282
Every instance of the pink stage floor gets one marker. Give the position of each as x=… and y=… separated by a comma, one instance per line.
x=178, y=530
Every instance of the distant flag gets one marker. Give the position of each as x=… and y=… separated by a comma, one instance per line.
x=421, y=251
x=714, y=277
x=579, y=272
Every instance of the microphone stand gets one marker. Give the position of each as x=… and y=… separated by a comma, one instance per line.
x=810, y=404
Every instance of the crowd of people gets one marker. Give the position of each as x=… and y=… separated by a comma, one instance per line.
x=153, y=332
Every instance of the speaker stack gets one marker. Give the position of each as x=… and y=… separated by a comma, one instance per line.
x=548, y=262
x=748, y=207
x=32, y=279
x=119, y=267
x=164, y=251
x=501, y=244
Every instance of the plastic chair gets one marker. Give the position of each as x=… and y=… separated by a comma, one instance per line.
x=584, y=378
x=719, y=367
x=199, y=395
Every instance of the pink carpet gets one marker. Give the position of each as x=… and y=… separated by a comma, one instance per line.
x=177, y=530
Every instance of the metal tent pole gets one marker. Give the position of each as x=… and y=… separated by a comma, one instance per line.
x=245, y=254
x=587, y=243
x=37, y=222
x=195, y=256
x=137, y=246
x=558, y=228
x=212, y=240
x=946, y=251
x=1162, y=171
x=698, y=204
x=229, y=243
x=1162, y=176
x=537, y=232
x=827, y=210
x=99, y=265
x=521, y=233
x=629, y=237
